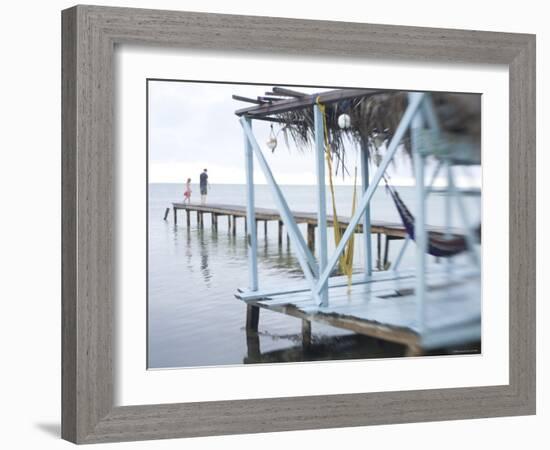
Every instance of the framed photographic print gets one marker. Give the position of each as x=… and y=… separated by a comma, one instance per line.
x=266, y=230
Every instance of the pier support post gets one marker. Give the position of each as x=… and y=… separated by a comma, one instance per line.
x=188, y=214
x=166, y=212
x=280, y=235
x=306, y=334
x=175, y=216
x=234, y=227
x=253, y=346
x=252, y=317
x=250, y=220
x=378, y=251
x=311, y=237
x=265, y=228
x=386, y=251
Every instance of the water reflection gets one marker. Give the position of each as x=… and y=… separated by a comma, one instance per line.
x=321, y=348
x=204, y=252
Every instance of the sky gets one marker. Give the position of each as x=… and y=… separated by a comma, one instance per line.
x=192, y=126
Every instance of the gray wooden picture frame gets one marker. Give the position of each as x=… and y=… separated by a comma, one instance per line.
x=90, y=34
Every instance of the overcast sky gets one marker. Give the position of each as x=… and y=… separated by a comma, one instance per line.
x=193, y=126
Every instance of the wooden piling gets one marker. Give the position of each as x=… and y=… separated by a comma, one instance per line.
x=175, y=216
x=265, y=228
x=234, y=227
x=393, y=230
x=253, y=346
x=306, y=334
x=166, y=213
x=378, y=251
x=252, y=317
x=311, y=236
x=386, y=251
x=188, y=218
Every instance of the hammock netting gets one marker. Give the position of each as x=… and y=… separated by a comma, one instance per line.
x=438, y=243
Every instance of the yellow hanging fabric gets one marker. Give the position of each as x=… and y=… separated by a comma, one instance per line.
x=346, y=259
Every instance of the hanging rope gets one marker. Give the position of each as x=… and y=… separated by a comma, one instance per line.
x=346, y=259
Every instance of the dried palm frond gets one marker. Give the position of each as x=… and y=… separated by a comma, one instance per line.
x=374, y=119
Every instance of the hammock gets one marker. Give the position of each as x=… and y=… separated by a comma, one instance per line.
x=438, y=244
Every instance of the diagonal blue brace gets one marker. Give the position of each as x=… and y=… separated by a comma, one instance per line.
x=414, y=104
x=305, y=258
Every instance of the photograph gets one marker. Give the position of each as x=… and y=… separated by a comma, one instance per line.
x=292, y=224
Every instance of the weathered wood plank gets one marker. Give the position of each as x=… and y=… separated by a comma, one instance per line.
x=453, y=314
x=392, y=229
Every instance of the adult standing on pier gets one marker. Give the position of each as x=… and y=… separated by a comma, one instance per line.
x=204, y=185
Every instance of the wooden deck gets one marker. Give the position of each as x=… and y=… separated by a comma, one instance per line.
x=384, y=307
x=266, y=214
x=391, y=230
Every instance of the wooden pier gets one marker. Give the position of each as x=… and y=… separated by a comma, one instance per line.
x=391, y=231
x=234, y=212
x=384, y=306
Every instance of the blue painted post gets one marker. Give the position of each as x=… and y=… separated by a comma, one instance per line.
x=251, y=215
x=420, y=216
x=366, y=218
x=470, y=240
x=448, y=212
x=321, y=198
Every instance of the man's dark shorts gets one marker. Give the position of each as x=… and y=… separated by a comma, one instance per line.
x=203, y=190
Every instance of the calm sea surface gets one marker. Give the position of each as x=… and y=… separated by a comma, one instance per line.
x=193, y=316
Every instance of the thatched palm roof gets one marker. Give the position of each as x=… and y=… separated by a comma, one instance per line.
x=374, y=116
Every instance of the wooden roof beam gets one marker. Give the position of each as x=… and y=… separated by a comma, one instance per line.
x=288, y=92
x=247, y=99
x=293, y=104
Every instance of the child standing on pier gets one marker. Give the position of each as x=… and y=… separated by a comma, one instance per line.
x=187, y=193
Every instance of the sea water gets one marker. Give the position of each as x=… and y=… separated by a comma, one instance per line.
x=194, y=318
